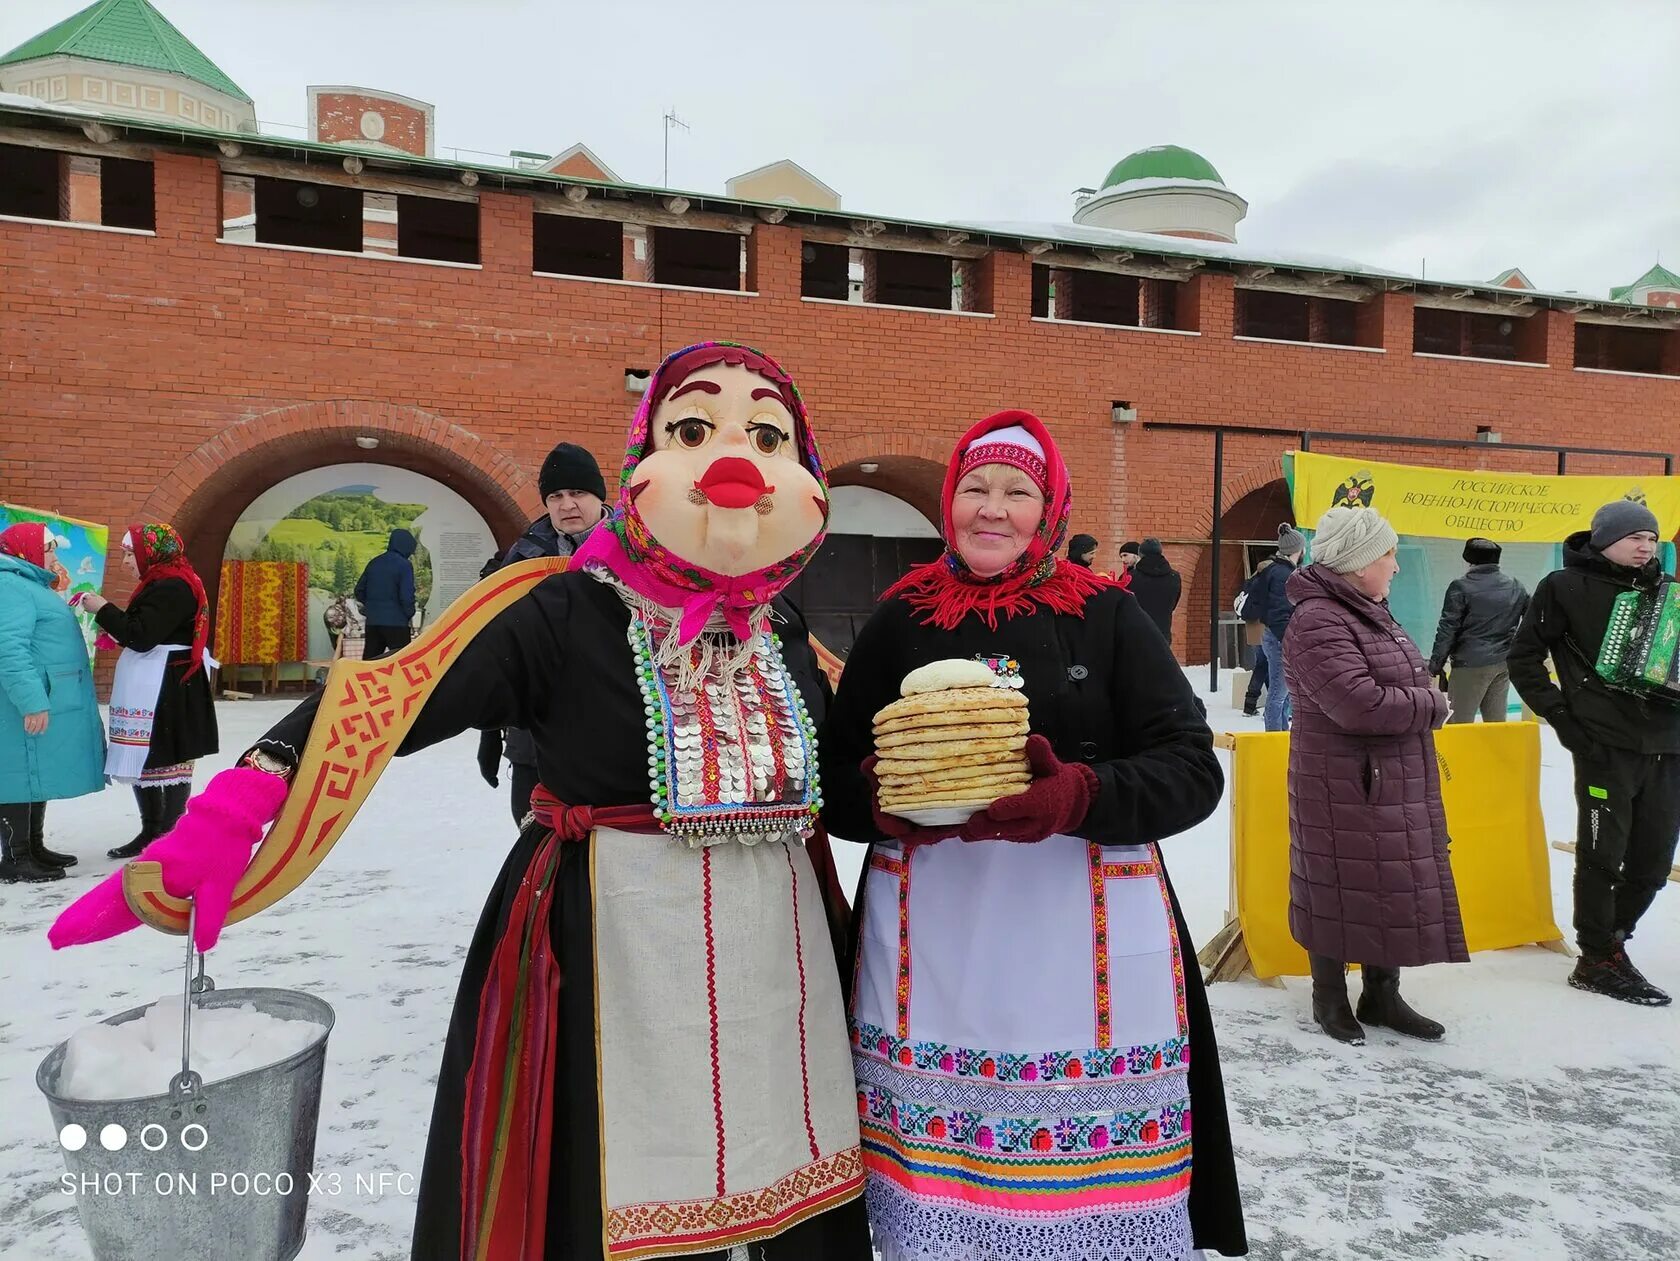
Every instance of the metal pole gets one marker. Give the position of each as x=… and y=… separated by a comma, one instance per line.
x=1563, y=462
x=1213, y=572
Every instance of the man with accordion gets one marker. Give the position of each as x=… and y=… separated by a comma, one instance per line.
x=1610, y=622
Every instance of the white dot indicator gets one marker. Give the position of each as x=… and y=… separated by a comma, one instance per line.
x=186, y=1141
x=74, y=1137
x=113, y=1138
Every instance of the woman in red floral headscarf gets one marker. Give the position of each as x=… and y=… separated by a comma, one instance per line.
x=1025, y=997
x=163, y=716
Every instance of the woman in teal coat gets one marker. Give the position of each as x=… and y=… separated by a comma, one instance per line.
x=51, y=742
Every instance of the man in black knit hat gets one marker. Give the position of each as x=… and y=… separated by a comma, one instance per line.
x=574, y=499
x=1479, y=618
x=1626, y=746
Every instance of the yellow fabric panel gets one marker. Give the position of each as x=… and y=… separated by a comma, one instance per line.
x=1490, y=786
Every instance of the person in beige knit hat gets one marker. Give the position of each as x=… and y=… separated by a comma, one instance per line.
x=1369, y=880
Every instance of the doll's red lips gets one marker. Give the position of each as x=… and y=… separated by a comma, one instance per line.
x=732, y=482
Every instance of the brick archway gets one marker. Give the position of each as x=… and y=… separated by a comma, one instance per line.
x=915, y=480
x=205, y=493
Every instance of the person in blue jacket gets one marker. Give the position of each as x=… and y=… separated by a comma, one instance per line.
x=1268, y=602
x=51, y=742
x=386, y=593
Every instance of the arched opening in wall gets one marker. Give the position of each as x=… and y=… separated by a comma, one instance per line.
x=882, y=521
x=1248, y=534
x=328, y=495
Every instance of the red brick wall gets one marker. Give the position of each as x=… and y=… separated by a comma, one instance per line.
x=338, y=120
x=174, y=377
x=580, y=166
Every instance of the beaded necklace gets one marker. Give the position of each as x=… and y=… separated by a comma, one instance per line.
x=730, y=759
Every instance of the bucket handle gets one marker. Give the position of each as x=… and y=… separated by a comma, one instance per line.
x=187, y=1086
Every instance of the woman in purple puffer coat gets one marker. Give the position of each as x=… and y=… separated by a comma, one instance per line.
x=1369, y=879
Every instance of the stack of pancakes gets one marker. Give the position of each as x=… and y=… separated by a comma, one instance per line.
x=954, y=740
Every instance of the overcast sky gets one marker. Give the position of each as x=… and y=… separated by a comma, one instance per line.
x=1476, y=134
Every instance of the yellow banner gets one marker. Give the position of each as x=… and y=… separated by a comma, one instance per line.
x=1453, y=504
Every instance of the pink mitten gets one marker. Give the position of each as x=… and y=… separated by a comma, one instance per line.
x=203, y=858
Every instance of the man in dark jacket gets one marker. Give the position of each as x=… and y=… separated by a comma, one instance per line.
x=1156, y=585
x=1082, y=550
x=574, y=496
x=1626, y=746
x=1249, y=609
x=386, y=593
x=1270, y=603
x=1479, y=617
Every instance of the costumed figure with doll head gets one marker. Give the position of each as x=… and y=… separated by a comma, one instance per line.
x=647, y=1054
x=1029, y=1031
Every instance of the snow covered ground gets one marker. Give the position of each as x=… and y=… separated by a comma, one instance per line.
x=1546, y=1127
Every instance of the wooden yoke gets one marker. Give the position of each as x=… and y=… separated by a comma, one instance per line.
x=367, y=708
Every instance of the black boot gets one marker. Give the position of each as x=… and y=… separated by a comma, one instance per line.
x=16, y=864
x=1380, y=1004
x=1330, y=1001
x=37, y=837
x=1614, y=976
x=149, y=800
x=172, y=806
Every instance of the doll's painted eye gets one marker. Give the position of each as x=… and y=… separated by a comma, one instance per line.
x=691, y=432
x=768, y=439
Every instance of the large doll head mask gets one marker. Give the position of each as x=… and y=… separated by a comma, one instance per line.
x=723, y=497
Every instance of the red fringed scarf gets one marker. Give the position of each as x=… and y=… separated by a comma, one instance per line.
x=946, y=590
x=159, y=553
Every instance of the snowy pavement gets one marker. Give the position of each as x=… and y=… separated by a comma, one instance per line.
x=1546, y=1127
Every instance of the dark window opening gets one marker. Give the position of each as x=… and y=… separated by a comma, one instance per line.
x=1041, y=291
x=1337, y=322
x=697, y=258
x=1477, y=335
x=1284, y=317
x=125, y=194
x=317, y=216
x=1627, y=349
x=908, y=278
x=29, y=181
x=431, y=227
x=1158, y=303
x=825, y=271
x=570, y=246
x=1435, y=332
x=1100, y=297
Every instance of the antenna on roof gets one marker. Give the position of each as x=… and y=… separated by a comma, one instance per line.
x=671, y=120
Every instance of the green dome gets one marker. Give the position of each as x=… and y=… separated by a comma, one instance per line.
x=1162, y=161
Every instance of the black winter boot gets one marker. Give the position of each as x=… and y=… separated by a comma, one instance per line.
x=172, y=806
x=1330, y=1001
x=1614, y=976
x=15, y=861
x=148, y=799
x=1380, y=1004
x=37, y=838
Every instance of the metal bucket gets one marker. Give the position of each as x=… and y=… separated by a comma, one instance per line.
x=208, y=1171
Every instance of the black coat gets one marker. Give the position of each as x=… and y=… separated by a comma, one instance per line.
x=185, y=729
x=1566, y=621
x=1157, y=587
x=558, y=663
x=1479, y=618
x=540, y=539
x=1105, y=690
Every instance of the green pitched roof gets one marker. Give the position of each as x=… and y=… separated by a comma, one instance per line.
x=130, y=33
x=1659, y=277
x=1163, y=161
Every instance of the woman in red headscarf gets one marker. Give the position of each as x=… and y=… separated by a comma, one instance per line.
x=1026, y=997
x=647, y=1056
x=162, y=716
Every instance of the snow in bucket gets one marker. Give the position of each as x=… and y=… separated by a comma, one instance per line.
x=139, y=1057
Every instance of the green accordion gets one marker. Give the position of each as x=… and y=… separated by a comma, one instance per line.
x=1641, y=650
